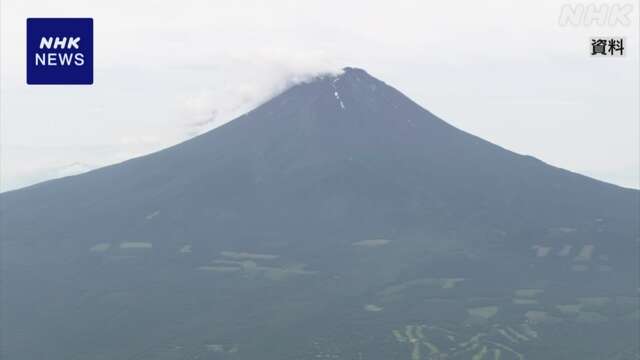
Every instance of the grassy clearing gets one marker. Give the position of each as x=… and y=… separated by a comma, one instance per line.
x=136, y=245
x=590, y=317
x=497, y=354
x=373, y=308
x=394, y=289
x=250, y=263
x=444, y=283
x=565, y=251
x=152, y=215
x=541, y=251
x=399, y=337
x=449, y=283
x=507, y=336
x=473, y=340
x=215, y=347
x=518, y=355
x=485, y=312
x=480, y=354
x=518, y=301
x=225, y=269
x=275, y=273
x=569, y=309
x=518, y=335
x=528, y=293
x=585, y=253
x=597, y=301
x=247, y=256
x=227, y=262
x=431, y=342
x=371, y=243
x=100, y=247
x=536, y=316
x=414, y=336
x=529, y=332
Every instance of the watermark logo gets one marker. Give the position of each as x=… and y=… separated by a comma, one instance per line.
x=602, y=46
x=611, y=14
x=59, y=51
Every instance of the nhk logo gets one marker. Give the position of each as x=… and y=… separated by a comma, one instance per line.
x=59, y=51
x=57, y=58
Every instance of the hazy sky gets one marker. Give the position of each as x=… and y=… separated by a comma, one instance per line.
x=165, y=71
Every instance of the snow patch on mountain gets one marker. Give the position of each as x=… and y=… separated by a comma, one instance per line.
x=335, y=91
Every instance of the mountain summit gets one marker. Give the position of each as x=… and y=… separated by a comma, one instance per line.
x=339, y=218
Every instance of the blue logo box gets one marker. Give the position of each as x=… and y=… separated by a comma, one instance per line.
x=59, y=51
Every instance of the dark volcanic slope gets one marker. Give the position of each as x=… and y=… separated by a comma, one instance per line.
x=276, y=200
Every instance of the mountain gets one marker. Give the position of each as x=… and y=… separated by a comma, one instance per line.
x=338, y=220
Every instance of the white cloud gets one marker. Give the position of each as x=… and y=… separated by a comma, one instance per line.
x=271, y=71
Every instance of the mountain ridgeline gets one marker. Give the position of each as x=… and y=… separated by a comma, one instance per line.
x=339, y=220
